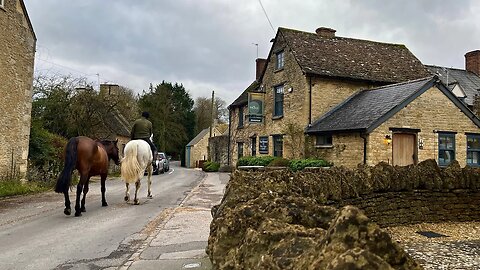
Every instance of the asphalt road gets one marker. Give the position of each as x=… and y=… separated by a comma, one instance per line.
x=35, y=234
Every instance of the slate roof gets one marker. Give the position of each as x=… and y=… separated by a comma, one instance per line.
x=243, y=98
x=199, y=137
x=468, y=81
x=353, y=58
x=367, y=109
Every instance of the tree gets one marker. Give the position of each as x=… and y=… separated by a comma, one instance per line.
x=203, y=112
x=171, y=113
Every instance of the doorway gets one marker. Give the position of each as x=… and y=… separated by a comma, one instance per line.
x=404, y=149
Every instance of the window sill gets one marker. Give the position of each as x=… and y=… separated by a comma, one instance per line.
x=324, y=146
x=277, y=117
x=240, y=127
x=278, y=70
x=3, y=8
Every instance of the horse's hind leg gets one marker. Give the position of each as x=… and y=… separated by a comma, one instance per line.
x=149, y=184
x=127, y=195
x=77, y=200
x=67, y=209
x=103, y=189
x=137, y=187
x=85, y=191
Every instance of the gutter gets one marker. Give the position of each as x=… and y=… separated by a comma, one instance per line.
x=364, y=137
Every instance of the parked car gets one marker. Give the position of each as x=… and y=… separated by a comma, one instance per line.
x=165, y=160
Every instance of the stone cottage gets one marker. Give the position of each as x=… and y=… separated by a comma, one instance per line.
x=401, y=124
x=18, y=43
x=196, y=151
x=304, y=77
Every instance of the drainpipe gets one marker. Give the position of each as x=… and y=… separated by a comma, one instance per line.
x=228, y=146
x=309, y=100
x=364, y=137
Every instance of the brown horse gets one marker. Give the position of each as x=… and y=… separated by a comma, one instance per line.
x=90, y=158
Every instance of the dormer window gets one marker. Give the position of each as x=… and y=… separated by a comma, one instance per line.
x=279, y=60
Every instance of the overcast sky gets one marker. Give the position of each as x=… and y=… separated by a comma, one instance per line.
x=209, y=44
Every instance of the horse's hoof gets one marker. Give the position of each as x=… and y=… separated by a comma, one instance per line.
x=83, y=209
x=104, y=204
x=149, y=196
x=67, y=211
x=126, y=198
x=136, y=202
x=78, y=214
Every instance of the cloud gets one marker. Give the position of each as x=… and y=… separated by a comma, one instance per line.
x=207, y=45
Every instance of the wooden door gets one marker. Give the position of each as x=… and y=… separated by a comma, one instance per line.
x=403, y=149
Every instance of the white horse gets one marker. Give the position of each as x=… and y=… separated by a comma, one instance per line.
x=137, y=158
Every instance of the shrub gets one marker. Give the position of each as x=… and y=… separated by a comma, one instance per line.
x=300, y=164
x=210, y=166
x=255, y=161
x=279, y=162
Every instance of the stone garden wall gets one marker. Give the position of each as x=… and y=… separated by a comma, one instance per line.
x=312, y=219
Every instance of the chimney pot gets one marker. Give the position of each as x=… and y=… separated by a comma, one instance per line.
x=472, y=62
x=326, y=32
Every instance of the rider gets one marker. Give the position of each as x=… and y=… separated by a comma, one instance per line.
x=142, y=130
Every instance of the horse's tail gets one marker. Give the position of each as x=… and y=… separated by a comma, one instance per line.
x=130, y=169
x=63, y=181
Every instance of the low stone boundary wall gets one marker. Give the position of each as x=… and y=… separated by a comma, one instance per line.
x=403, y=208
x=311, y=219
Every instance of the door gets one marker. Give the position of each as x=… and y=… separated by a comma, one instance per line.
x=403, y=149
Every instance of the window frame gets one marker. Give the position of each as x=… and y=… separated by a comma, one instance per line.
x=240, y=117
x=279, y=60
x=473, y=150
x=277, y=148
x=278, y=100
x=239, y=153
x=446, y=149
x=254, y=146
x=2, y=4
x=326, y=142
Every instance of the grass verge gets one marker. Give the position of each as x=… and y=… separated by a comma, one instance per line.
x=11, y=188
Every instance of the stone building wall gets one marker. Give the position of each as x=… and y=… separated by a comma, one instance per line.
x=218, y=149
x=16, y=74
x=438, y=115
x=326, y=93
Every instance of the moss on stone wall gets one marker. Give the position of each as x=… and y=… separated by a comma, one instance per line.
x=305, y=220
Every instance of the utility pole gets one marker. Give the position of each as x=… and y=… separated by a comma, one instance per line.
x=211, y=126
x=212, y=115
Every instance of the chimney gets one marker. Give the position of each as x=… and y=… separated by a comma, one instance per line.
x=472, y=62
x=261, y=64
x=326, y=32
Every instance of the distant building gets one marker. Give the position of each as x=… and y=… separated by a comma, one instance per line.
x=17, y=55
x=196, y=151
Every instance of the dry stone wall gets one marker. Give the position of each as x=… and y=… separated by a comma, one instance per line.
x=332, y=218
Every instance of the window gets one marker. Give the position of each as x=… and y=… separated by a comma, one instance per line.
x=280, y=60
x=263, y=145
x=2, y=5
x=240, y=117
x=446, y=148
x=254, y=146
x=323, y=140
x=278, y=101
x=278, y=145
x=240, y=149
x=473, y=150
